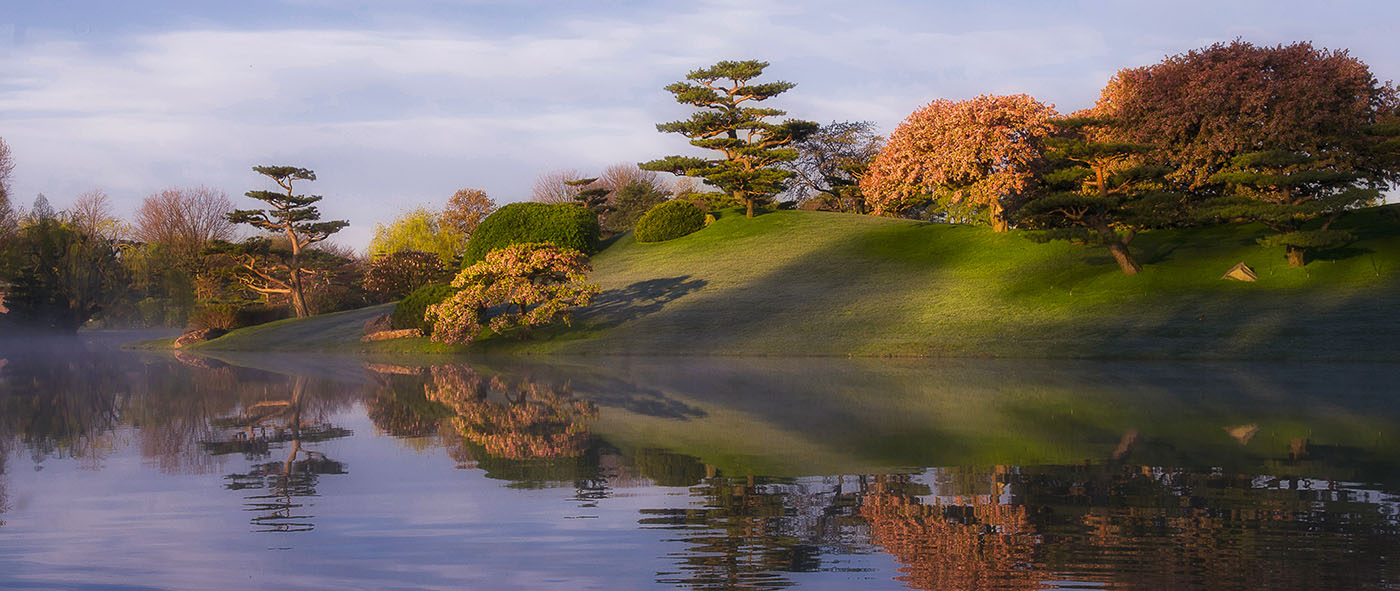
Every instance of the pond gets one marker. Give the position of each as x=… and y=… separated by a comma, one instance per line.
x=128, y=470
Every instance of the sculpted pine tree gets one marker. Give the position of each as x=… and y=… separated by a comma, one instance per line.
x=970, y=160
x=1099, y=193
x=293, y=217
x=1285, y=190
x=750, y=148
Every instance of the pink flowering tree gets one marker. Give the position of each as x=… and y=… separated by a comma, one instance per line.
x=514, y=289
x=968, y=159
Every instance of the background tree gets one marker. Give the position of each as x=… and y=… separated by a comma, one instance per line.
x=1204, y=108
x=750, y=148
x=8, y=220
x=92, y=212
x=617, y=176
x=632, y=201
x=1285, y=190
x=60, y=276
x=831, y=162
x=1098, y=193
x=184, y=220
x=393, y=276
x=418, y=230
x=522, y=286
x=553, y=186
x=465, y=210
x=591, y=195
x=977, y=156
x=293, y=216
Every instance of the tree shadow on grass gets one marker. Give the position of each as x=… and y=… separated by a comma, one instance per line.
x=617, y=306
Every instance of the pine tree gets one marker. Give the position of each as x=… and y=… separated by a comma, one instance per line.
x=1097, y=193
x=1284, y=190
x=293, y=216
x=594, y=199
x=749, y=147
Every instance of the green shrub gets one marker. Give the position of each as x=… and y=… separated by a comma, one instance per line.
x=231, y=316
x=563, y=225
x=409, y=312
x=668, y=221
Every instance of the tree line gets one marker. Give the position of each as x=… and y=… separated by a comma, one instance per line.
x=1291, y=137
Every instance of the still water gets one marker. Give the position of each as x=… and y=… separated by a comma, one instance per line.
x=125, y=470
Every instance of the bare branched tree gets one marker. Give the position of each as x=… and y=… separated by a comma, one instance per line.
x=619, y=175
x=92, y=211
x=185, y=219
x=8, y=221
x=553, y=186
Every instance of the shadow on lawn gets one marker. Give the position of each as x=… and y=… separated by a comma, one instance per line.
x=617, y=306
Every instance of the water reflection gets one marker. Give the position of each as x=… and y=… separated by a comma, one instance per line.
x=278, y=486
x=742, y=474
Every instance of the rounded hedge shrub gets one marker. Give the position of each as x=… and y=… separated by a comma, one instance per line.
x=668, y=221
x=409, y=313
x=563, y=225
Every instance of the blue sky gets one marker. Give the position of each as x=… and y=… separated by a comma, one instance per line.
x=397, y=104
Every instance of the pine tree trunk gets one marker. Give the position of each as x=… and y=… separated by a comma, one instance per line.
x=298, y=298
x=1125, y=259
x=748, y=202
x=1297, y=255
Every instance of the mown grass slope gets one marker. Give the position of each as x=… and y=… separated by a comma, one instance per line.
x=813, y=283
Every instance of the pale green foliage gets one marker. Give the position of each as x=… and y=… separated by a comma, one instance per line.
x=421, y=230
x=519, y=287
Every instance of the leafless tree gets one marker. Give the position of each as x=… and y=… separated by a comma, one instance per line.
x=553, y=187
x=618, y=175
x=8, y=220
x=92, y=211
x=185, y=219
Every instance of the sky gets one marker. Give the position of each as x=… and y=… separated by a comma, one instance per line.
x=397, y=104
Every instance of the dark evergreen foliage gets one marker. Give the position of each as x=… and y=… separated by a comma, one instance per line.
x=668, y=221
x=409, y=313
x=750, y=148
x=563, y=225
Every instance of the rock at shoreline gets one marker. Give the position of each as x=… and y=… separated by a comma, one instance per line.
x=385, y=335
x=198, y=336
x=379, y=323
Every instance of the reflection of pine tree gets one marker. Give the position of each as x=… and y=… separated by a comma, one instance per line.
x=749, y=531
x=256, y=431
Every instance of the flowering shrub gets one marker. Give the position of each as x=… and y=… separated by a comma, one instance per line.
x=395, y=275
x=513, y=419
x=968, y=156
x=519, y=287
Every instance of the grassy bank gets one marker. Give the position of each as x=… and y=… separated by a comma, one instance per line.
x=812, y=283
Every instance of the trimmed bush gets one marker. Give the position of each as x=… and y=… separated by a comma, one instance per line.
x=231, y=316
x=409, y=312
x=668, y=221
x=563, y=225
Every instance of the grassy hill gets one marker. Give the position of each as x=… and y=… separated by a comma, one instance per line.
x=813, y=283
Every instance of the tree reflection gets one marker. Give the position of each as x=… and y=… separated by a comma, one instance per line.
x=513, y=419
x=748, y=532
x=259, y=429
x=974, y=542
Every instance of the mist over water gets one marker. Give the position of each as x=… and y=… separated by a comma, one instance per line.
x=124, y=469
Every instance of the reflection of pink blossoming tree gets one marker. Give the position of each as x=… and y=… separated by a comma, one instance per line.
x=533, y=421
x=969, y=156
x=532, y=284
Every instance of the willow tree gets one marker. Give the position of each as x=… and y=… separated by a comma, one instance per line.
x=969, y=160
x=291, y=217
x=750, y=148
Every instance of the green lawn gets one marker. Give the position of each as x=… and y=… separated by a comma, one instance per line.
x=813, y=283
